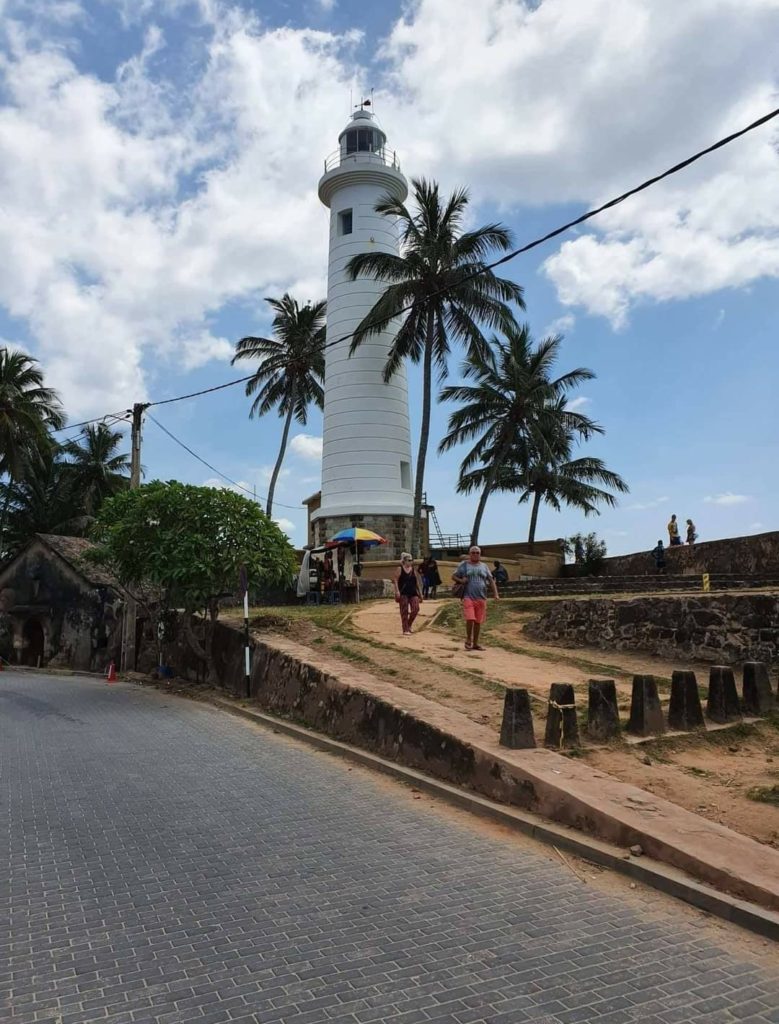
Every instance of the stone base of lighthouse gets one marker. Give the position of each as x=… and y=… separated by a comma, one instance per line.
x=395, y=529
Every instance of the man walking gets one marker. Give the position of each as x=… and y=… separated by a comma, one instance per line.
x=474, y=576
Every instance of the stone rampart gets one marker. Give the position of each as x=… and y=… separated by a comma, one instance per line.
x=748, y=555
x=722, y=628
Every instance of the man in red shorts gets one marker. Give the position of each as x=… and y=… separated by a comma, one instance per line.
x=476, y=577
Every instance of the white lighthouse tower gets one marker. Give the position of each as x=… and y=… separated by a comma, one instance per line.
x=366, y=458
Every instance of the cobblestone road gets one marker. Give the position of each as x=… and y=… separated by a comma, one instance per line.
x=169, y=863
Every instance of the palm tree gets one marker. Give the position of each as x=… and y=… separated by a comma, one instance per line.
x=292, y=368
x=442, y=288
x=28, y=411
x=542, y=468
x=96, y=470
x=38, y=502
x=510, y=398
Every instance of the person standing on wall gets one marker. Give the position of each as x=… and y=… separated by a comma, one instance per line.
x=471, y=579
x=673, y=532
x=407, y=592
x=658, y=553
x=692, y=536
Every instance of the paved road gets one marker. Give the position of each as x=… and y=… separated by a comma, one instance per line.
x=169, y=863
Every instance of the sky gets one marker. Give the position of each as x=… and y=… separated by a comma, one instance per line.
x=158, y=170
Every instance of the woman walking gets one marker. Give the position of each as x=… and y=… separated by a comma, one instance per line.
x=407, y=592
x=424, y=577
x=433, y=578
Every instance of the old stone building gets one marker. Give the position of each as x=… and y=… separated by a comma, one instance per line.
x=57, y=608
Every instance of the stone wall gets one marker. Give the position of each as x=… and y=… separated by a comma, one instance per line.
x=395, y=529
x=756, y=554
x=724, y=629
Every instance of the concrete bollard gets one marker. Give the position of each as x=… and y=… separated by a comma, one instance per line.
x=646, y=715
x=722, y=704
x=685, y=711
x=602, y=710
x=516, y=732
x=757, y=696
x=562, y=726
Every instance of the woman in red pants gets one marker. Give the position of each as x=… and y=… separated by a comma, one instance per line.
x=407, y=592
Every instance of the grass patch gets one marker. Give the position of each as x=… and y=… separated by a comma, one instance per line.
x=765, y=794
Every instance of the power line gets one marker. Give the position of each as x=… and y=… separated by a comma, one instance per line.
x=205, y=391
x=585, y=216
x=499, y=262
x=224, y=476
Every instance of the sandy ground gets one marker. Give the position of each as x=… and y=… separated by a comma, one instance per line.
x=708, y=774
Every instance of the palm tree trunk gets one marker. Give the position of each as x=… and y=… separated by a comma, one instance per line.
x=280, y=459
x=4, y=515
x=488, y=486
x=424, y=434
x=531, y=537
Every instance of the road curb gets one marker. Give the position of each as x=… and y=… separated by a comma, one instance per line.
x=664, y=878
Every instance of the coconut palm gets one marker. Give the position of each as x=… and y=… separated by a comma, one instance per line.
x=512, y=396
x=38, y=502
x=95, y=469
x=28, y=411
x=542, y=469
x=441, y=288
x=292, y=368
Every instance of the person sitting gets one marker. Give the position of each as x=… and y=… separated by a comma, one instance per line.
x=658, y=554
x=499, y=573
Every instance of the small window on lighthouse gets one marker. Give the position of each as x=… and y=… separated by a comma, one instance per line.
x=405, y=476
x=345, y=222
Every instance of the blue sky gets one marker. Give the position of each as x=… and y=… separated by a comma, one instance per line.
x=159, y=169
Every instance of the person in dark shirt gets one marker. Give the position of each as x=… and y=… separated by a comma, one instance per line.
x=499, y=573
x=658, y=554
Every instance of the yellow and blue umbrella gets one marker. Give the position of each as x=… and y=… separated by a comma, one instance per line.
x=356, y=535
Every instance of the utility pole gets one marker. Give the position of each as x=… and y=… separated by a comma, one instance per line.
x=128, y=647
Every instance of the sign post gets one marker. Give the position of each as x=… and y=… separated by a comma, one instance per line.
x=706, y=583
x=244, y=580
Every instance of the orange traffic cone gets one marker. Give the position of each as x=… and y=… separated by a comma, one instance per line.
x=111, y=674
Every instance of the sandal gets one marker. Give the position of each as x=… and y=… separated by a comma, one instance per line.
x=477, y=647
x=468, y=647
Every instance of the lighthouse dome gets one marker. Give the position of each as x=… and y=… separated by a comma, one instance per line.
x=362, y=135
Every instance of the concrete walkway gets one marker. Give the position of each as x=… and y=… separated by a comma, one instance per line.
x=169, y=863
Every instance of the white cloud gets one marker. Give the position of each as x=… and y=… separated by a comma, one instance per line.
x=602, y=108
x=327, y=5
x=307, y=446
x=562, y=325
x=132, y=209
x=578, y=403
x=653, y=503
x=285, y=524
x=197, y=351
x=728, y=498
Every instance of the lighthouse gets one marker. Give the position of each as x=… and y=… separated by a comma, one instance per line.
x=366, y=454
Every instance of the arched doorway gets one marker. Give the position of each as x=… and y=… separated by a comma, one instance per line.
x=33, y=643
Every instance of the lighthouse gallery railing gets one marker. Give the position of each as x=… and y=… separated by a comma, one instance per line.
x=386, y=157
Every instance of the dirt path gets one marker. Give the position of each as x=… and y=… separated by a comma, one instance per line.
x=710, y=774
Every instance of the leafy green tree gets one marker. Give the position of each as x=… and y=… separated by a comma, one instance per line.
x=291, y=373
x=512, y=396
x=440, y=288
x=589, y=552
x=188, y=544
x=95, y=469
